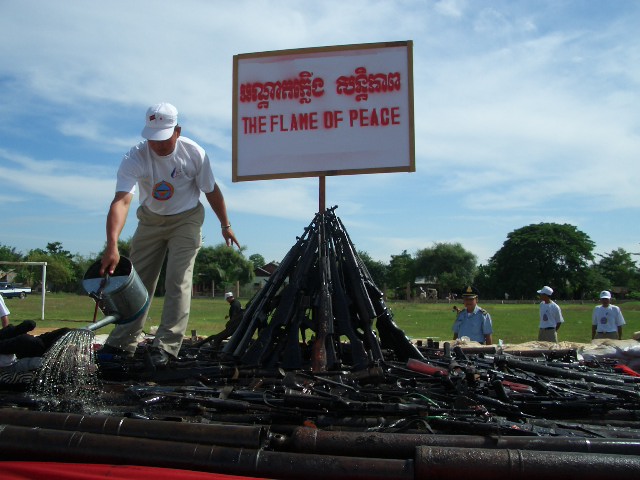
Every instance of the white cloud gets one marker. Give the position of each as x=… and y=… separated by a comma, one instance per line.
x=520, y=108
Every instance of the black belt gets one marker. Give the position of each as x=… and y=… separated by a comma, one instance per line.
x=548, y=328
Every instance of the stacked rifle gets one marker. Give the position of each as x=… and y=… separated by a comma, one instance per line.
x=323, y=286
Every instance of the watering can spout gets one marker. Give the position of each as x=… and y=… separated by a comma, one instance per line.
x=108, y=320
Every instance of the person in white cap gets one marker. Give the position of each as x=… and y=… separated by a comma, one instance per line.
x=171, y=171
x=607, y=319
x=550, y=316
x=233, y=321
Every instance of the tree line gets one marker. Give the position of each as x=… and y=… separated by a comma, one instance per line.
x=218, y=265
x=540, y=254
x=558, y=255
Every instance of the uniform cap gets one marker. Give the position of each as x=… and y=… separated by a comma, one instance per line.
x=605, y=294
x=470, y=292
x=228, y=295
x=160, y=122
x=546, y=291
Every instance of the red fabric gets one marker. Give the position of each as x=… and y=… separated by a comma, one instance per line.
x=626, y=370
x=92, y=471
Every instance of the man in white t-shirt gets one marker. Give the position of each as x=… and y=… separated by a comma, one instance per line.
x=550, y=316
x=4, y=312
x=171, y=172
x=5, y=359
x=607, y=319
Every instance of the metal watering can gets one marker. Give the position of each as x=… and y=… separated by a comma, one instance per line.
x=122, y=297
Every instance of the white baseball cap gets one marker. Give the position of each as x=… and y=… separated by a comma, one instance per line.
x=160, y=121
x=546, y=291
x=605, y=294
x=228, y=295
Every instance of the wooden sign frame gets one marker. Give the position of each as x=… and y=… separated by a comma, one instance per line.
x=337, y=110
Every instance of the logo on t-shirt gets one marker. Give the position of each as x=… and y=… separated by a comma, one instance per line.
x=163, y=191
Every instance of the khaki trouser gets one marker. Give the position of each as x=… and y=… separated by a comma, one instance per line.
x=178, y=237
x=548, y=335
x=612, y=335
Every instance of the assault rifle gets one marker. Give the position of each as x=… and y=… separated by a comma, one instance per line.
x=342, y=315
x=270, y=338
x=369, y=299
x=323, y=352
x=258, y=309
x=356, y=288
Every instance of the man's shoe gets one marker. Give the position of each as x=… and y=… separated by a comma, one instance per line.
x=113, y=351
x=159, y=357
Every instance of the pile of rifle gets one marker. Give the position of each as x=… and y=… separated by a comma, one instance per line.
x=321, y=285
x=352, y=375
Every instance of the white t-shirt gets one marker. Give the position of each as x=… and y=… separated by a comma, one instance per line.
x=550, y=314
x=168, y=185
x=3, y=308
x=8, y=359
x=607, y=319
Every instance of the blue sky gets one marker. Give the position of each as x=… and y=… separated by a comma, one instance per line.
x=525, y=112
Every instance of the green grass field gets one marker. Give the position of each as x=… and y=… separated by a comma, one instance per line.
x=513, y=323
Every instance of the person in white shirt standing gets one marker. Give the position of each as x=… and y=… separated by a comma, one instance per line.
x=4, y=312
x=607, y=319
x=550, y=316
x=171, y=171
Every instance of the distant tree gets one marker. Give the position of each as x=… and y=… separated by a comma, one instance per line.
x=544, y=254
x=61, y=274
x=485, y=282
x=449, y=263
x=377, y=269
x=9, y=254
x=257, y=260
x=400, y=273
x=222, y=265
x=619, y=269
x=56, y=248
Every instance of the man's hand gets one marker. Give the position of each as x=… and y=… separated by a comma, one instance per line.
x=109, y=262
x=229, y=237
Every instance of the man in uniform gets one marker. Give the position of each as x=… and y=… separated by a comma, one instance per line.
x=234, y=319
x=550, y=316
x=607, y=319
x=473, y=322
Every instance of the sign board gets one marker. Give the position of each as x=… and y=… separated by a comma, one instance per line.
x=337, y=110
